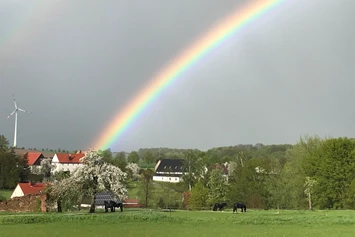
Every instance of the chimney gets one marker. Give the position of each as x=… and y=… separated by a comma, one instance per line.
x=70, y=157
x=30, y=184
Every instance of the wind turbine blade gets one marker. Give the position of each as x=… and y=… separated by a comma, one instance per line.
x=14, y=101
x=22, y=110
x=11, y=113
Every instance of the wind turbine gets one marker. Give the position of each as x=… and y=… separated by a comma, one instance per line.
x=15, y=112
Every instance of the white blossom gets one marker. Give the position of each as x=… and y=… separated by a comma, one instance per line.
x=134, y=168
x=93, y=176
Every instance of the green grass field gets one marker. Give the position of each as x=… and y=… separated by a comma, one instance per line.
x=6, y=193
x=133, y=222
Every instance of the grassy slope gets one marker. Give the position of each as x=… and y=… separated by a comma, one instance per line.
x=185, y=223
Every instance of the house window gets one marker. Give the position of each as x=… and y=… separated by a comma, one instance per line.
x=175, y=178
x=169, y=178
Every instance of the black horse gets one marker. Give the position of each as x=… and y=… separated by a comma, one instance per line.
x=241, y=206
x=219, y=206
x=112, y=205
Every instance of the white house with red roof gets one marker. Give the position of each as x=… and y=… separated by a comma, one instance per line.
x=66, y=162
x=23, y=189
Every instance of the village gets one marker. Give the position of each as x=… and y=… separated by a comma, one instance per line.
x=165, y=171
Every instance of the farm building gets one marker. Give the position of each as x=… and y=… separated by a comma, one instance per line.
x=169, y=170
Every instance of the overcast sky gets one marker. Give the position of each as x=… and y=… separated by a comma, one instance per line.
x=76, y=64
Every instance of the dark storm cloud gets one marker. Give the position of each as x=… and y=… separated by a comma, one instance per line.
x=286, y=74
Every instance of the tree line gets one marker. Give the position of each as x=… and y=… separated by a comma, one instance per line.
x=313, y=173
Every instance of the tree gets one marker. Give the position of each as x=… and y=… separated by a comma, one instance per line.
x=133, y=170
x=9, y=172
x=4, y=144
x=218, y=187
x=192, y=167
x=24, y=169
x=120, y=161
x=133, y=157
x=146, y=186
x=334, y=172
x=199, y=196
x=308, y=190
x=148, y=157
x=106, y=155
x=46, y=168
x=92, y=177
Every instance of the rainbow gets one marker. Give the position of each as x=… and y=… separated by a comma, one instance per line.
x=228, y=26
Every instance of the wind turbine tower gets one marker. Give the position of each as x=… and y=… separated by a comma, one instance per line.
x=15, y=112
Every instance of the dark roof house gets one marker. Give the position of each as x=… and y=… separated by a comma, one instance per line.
x=169, y=170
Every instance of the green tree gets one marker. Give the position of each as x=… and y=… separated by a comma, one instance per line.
x=148, y=157
x=146, y=186
x=218, y=187
x=9, y=171
x=24, y=169
x=133, y=157
x=4, y=144
x=192, y=167
x=106, y=155
x=199, y=196
x=120, y=160
x=334, y=172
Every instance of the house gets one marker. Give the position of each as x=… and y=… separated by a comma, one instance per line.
x=34, y=160
x=169, y=170
x=66, y=162
x=23, y=189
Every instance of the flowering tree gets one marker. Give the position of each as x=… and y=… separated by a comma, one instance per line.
x=92, y=177
x=46, y=167
x=133, y=169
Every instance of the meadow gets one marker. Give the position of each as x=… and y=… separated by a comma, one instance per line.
x=135, y=222
x=5, y=193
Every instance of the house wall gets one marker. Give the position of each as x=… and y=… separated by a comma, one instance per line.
x=17, y=192
x=63, y=166
x=170, y=179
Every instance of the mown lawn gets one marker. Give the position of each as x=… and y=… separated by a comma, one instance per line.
x=182, y=223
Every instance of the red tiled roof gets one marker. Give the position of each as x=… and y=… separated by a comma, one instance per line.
x=64, y=157
x=31, y=188
x=33, y=157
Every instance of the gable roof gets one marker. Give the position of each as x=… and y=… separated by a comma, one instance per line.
x=170, y=165
x=69, y=158
x=31, y=188
x=33, y=157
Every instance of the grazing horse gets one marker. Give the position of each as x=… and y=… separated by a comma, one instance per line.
x=219, y=206
x=112, y=205
x=239, y=205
